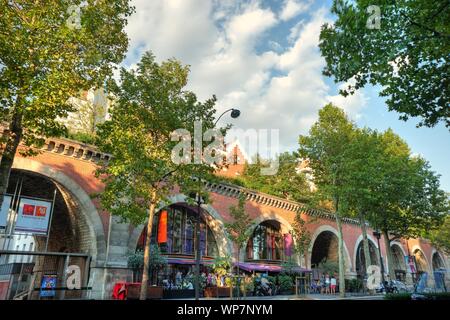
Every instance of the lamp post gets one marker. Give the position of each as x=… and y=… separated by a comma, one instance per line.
x=234, y=114
x=377, y=234
x=199, y=201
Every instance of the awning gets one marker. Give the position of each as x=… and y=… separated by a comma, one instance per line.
x=248, y=266
x=187, y=261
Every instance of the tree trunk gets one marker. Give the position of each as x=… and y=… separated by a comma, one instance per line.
x=238, y=273
x=390, y=261
x=306, y=256
x=367, y=258
x=7, y=158
x=341, y=256
x=151, y=214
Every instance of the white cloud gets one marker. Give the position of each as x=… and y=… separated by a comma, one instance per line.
x=293, y=8
x=228, y=45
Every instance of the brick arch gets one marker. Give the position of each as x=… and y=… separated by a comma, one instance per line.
x=402, y=250
x=358, y=241
x=418, y=248
x=215, y=222
x=441, y=256
x=316, y=234
x=90, y=214
x=286, y=227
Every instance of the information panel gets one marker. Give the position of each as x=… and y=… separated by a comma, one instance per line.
x=33, y=216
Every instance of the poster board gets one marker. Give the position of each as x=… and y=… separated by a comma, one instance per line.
x=33, y=216
x=48, y=286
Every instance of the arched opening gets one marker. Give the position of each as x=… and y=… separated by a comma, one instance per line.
x=398, y=262
x=173, y=232
x=361, y=265
x=68, y=232
x=266, y=242
x=439, y=272
x=421, y=262
x=438, y=263
x=325, y=249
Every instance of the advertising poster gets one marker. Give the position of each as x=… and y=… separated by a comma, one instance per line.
x=33, y=216
x=4, y=212
x=48, y=286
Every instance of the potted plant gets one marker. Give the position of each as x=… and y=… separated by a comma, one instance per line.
x=221, y=268
x=136, y=263
x=286, y=284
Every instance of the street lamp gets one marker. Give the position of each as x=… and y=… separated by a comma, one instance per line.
x=235, y=113
x=377, y=234
x=199, y=200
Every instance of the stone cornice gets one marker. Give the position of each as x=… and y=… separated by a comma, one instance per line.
x=269, y=200
x=75, y=149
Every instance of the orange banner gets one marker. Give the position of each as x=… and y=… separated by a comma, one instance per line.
x=162, y=227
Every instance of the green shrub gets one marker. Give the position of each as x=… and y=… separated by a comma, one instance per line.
x=398, y=296
x=353, y=285
x=286, y=283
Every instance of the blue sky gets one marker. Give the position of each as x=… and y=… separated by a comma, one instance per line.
x=262, y=57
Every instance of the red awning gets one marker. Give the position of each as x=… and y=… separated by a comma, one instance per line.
x=248, y=266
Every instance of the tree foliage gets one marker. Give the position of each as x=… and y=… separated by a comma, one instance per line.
x=239, y=229
x=45, y=59
x=287, y=183
x=407, y=56
x=326, y=148
x=150, y=105
x=440, y=237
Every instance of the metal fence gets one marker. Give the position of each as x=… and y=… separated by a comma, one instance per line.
x=44, y=275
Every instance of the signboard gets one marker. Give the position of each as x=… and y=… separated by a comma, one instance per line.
x=410, y=263
x=4, y=210
x=48, y=286
x=33, y=216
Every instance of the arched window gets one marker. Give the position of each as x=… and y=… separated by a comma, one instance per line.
x=174, y=232
x=266, y=243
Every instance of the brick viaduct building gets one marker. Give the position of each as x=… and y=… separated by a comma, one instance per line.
x=80, y=225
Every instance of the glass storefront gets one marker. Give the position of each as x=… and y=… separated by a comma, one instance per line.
x=173, y=231
x=266, y=243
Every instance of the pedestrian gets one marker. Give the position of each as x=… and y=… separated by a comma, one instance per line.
x=327, y=284
x=333, y=284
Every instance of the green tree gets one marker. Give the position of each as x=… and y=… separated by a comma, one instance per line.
x=362, y=179
x=407, y=56
x=326, y=148
x=301, y=237
x=287, y=183
x=240, y=227
x=441, y=236
x=150, y=105
x=409, y=199
x=46, y=57
x=157, y=261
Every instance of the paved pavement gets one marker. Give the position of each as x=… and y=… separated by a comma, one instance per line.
x=312, y=297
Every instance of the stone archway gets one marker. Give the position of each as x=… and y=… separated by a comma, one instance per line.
x=214, y=221
x=437, y=261
x=332, y=234
x=421, y=261
x=359, y=257
x=285, y=228
x=73, y=193
x=398, y=257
